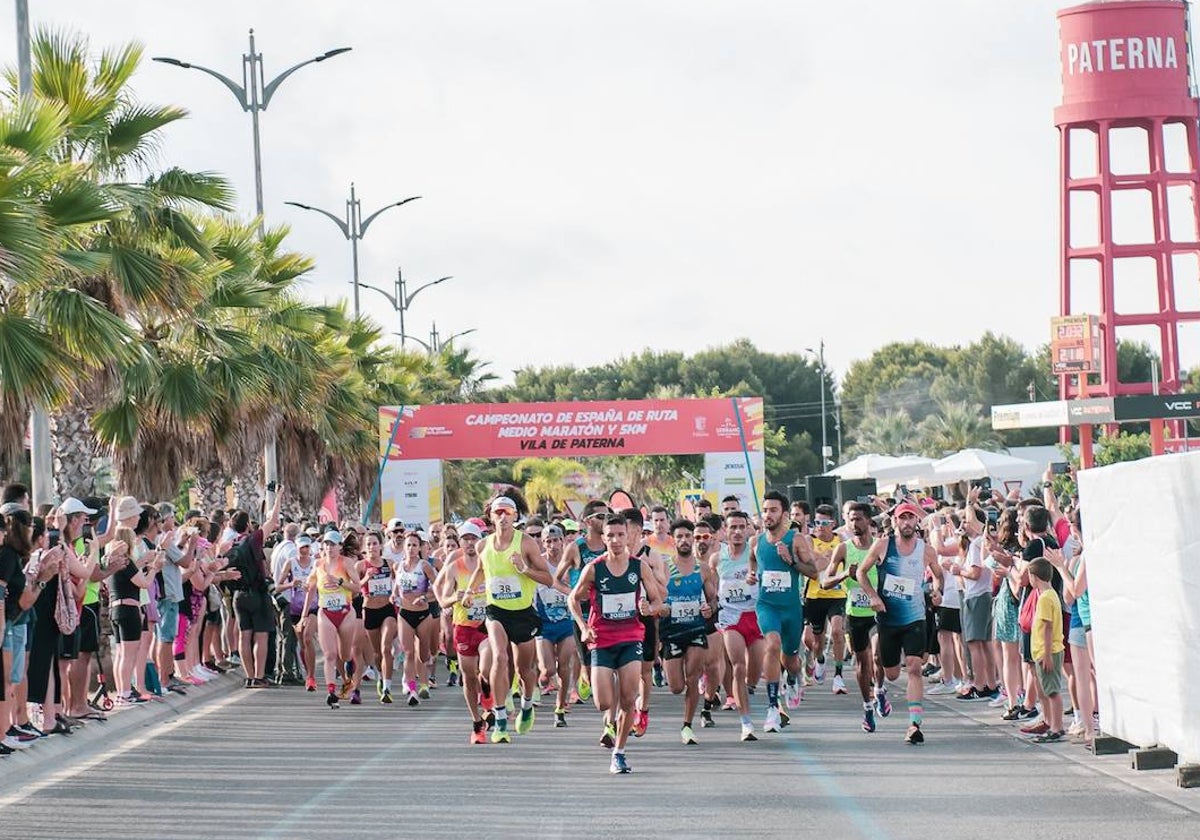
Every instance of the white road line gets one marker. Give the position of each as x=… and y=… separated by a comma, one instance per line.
x=120, y=749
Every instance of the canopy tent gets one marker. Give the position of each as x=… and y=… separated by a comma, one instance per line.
x=971, y=464
x=886, y=469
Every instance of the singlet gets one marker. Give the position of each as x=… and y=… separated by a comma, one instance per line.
x=778, y=583
x=473, y=615
x=616, y=619
x=663, y=551
x=813, y=589
x=685, y=596
x=552, y=604
x=379, y=580
x=857, y=602
x=413, y=583
x=736, y=596
x=332, y=594
x=507, y=588
x=901, y=589
x=302, y=573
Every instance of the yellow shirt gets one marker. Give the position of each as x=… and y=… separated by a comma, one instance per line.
x=1048, y=610
x=813, y=589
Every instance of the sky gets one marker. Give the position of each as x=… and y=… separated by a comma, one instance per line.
x=604, y=177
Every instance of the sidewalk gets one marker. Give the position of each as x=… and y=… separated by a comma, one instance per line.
x=53, y=752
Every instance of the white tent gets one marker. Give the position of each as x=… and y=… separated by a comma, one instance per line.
x=886, y=469
x=972, y=464
x=864, y=466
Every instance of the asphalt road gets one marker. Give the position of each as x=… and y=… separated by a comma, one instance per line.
x=278, y=764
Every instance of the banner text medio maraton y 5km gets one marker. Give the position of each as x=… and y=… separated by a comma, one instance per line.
x=572, y=429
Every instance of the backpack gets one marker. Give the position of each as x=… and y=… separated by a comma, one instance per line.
x=243, y=558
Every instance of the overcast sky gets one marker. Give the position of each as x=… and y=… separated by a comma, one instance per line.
x=601, y=177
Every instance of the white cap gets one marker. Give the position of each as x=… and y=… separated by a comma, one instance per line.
x=395, y=523
x=303, y=541
x=72, y=506
x=334, y=537
x=469, y=529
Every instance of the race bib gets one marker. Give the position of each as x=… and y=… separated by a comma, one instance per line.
x=334, y=602
x=379, y=587
x=735, y=592
x=685, y=610
x=505, y=588
x=476, y=612
x=899, y=587
x=860, y=599
x=553, y=598
x=617, y=607
x=776, y=581
x=410, y=581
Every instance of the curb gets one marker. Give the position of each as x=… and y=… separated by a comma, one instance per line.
x=50, y=754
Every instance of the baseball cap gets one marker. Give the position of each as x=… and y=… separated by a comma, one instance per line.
x=9, y=508
x=469, y=529
x=570, y=525
x=553, y=531
x=72, y=506
x=647, y=527
x=395, y=523
x=313, y=531
x=478, y=523
x=907, y=507
x=334, y=537
x=303, y=541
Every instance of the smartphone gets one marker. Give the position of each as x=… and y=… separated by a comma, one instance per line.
x=271, y=485
x=89, y=533
x=52, y=535
x=993, y=515
x=1060, y=468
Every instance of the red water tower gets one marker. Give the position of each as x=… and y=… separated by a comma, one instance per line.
x=1127, y=82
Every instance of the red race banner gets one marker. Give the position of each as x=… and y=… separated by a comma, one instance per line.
x=571, y=430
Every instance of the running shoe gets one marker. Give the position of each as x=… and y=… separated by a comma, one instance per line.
x=452, y=681
x=575, y=699
x=748, y=732
x=1001, y=699
x=370, y=673
x=973, y=695
x=1039, y=728
x=641, y=721
x=928, y=670
x=432, y=683
x=332, y=700
x=310, y=684
x=608, y=738
x=772, y=723
x=819, y=671
x=940, y=688
x=791, y=695
x=914, y=735
x=619, y=765
x=525, y=720
x=785, y=720
x=235, y=658
x=386, y=697
x=479, y=733
x=344, y=691
x=413, y=700
x=14, y=743
x=839, y=685
x=356, y=697
x=658, y=679
x=584, y=688
x=730, y=704
x=1049, y=737
x=490, y=719
x=687, y=736
x=560, y=718
x=21, y=735
x=868, y=723
x=1028, y=714
x=882, y=703
x=500, y=736
x=706, y=721
x=423, y=693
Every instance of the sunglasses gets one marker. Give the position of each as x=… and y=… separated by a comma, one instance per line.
x=704, y=537
x=823, y=523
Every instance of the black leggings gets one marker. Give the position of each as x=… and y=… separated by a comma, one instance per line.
x=43, y=656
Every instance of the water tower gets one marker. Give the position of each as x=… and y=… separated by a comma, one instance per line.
x=1127, y=93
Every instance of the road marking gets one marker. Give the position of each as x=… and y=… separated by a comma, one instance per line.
x=133, y=743
x=866, y=824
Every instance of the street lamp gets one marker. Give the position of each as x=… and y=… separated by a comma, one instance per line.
x=826, y=452
x=254, y=95
x=439, y=343
x=400, y=300
x=354, y=227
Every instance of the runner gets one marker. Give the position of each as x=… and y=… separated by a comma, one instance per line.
x=332, y=588
x=662, y=549
x=652, y=566
x=614, y=584
x=780, y=557
x=738, y=623
x=825, y=607
x=843, y=569
x=292, y=579
x=511, y=566
x=578, y=553
x=419, y=630
x=899, y=604
x=690, y=600
x=379, y=613
x=556, y=647
x=470, y=639
x=714, y=658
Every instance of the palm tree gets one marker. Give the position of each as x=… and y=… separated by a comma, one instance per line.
x=892, y=433
x=954, y=427
x=466, y=372
x=546, y=481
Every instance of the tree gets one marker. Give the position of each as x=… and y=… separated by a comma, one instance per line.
x=1123, y=447
x=546, y=481
x=888, y=433
x=956, y=426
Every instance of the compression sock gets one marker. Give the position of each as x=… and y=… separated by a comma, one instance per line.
x=773, y=694
x=526, y=703
x=915, y=711
x=387, y=685
x=501, y=718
